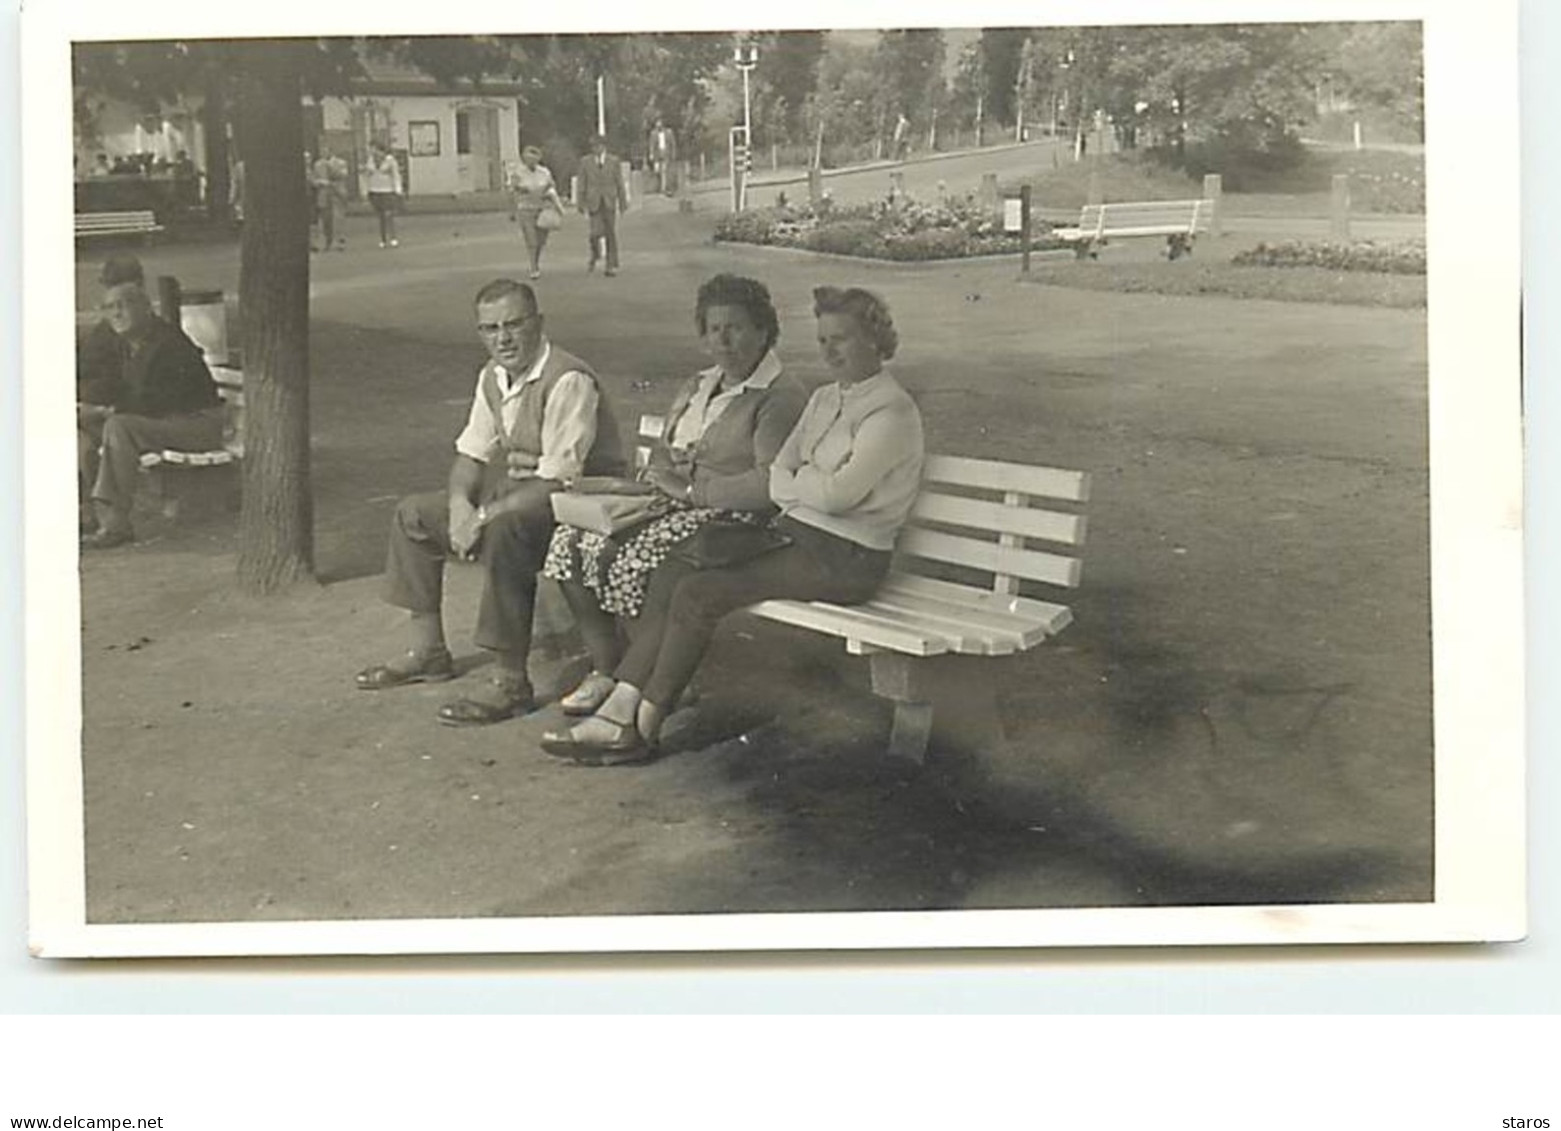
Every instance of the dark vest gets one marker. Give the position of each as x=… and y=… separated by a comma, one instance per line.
x=606, y=454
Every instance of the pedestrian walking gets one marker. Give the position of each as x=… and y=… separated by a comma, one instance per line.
x=538, y=207
x=602, y=196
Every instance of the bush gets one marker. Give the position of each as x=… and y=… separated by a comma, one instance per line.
x=907, y=230
x=1389, y=259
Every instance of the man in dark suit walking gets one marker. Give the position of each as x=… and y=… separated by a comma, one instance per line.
x=602, y=196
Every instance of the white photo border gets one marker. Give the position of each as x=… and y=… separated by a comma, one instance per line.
x=1476, y=523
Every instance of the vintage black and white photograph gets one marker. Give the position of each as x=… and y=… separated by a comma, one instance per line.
x=599, y=489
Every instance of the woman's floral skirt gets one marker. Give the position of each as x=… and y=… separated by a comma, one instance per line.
x=617, y=568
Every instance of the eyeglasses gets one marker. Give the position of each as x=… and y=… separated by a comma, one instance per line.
x=513, y=326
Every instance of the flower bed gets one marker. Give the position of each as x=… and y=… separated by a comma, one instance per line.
x=1389, y=259
x=906, y=230
x=1385, y=181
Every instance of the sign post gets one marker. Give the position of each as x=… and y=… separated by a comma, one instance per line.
x=746, y=57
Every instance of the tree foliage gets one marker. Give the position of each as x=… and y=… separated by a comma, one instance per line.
x=1381, y=65
x=909, y=64
x=1001, y=49
x=788, y=75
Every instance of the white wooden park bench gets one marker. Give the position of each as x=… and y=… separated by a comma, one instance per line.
x=1179, y=221
x=138, y=223
x=984, y=517
x=158, y=465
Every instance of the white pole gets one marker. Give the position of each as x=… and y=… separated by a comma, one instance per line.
x=601, y=105
x=747, y=111
x=742, y=191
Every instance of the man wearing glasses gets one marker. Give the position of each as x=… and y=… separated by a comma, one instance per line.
x=537, y=422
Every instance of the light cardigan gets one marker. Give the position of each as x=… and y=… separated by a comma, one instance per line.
x=852, y=466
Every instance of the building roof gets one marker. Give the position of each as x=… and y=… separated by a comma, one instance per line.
x=386, y=78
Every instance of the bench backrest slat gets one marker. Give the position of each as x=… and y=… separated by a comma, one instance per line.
x=1003, y=562
x=979, y=514
x=115, y=219
x=994, y=475
x=1012, y=518
x=1192, y=215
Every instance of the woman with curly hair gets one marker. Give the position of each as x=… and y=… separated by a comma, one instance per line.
x=844, y=482
x=711, y=465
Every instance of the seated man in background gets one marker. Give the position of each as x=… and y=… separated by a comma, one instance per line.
x=100, y=358
x=163, y=397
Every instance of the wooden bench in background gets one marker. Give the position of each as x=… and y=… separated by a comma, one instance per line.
x=140, y=223
x=1179, y=221
x=998, y=525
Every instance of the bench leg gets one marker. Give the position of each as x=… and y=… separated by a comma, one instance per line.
x=897, y=678
x=943, y=703
x=911, y=731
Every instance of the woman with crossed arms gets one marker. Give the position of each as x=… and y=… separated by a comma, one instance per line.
x=844, y=482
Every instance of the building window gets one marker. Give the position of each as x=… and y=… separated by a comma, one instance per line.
x=423, y=138
x=463, y=132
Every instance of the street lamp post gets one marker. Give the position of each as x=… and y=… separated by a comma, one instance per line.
x=746, y=57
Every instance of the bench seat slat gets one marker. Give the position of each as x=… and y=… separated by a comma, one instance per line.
x=1002, y=632
x=1035, y=565
x=1148, y=230
x=958, y=634
x=173, y=458
x=978, y=514
x=994, y=475
x=857, y=627
x=1054, y=617
x=935, y=629
x=968, y=634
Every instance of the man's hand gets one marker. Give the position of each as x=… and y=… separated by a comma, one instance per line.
x=465, y=527
x=521, y=465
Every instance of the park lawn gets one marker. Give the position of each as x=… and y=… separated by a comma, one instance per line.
x=1280, y=284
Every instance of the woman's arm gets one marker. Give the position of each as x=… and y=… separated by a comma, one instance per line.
x=750, y=490
x=881, y=443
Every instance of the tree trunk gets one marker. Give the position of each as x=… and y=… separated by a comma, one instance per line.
x=276, y=527
x=214, y=122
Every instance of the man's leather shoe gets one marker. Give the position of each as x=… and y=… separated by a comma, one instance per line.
x=415, y=667
x=507, y=699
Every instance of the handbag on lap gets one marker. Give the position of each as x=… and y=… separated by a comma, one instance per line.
x=607, y=512
x=718, y=544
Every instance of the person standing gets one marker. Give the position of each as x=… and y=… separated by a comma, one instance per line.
x=538, y=421
x=602, y=196
x=663, y=156
x=535, y=192
x=329, y=178
x=382, y=180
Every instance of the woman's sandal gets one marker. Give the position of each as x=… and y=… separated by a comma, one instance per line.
x=626, y=749
x=589, y=696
